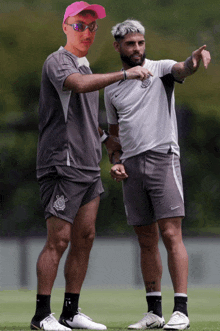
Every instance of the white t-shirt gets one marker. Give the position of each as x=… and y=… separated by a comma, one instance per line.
x=145, y=111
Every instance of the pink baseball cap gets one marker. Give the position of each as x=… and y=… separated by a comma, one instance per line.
x=76, y=7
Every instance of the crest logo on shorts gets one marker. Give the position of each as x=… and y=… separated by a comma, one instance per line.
x=60, y=203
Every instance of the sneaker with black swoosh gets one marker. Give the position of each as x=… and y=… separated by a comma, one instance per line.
x=178, y=321
x=81, y=321
x=149, y=321
x=49, y=323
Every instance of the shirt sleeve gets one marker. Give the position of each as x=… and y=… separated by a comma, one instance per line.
x=166, y=69
x=59, y=67
x=111, y=113
x=166, y=66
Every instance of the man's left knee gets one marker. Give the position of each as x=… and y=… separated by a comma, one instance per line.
x=171, y=230
x=84, y=239
x=89, y=235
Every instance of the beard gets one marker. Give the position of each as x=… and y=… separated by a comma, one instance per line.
x=128, y=60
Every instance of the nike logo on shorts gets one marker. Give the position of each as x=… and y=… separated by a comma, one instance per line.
x=173, y=208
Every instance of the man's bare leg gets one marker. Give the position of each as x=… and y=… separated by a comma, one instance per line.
x=58, y=236
x=151, y=267
x=151, y=264
x=82, y=237
x=171, y=231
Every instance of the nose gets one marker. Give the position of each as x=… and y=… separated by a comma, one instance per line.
x=87, y=32
x=137, y=47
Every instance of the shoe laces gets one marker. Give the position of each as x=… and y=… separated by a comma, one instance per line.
x=50, y=319
x=81, y=314
x=175, y=316
x=149, y=316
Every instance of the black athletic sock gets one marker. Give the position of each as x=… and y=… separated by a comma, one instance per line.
x=42, y=307
x=180, y=304
x=154, y=304
x=70, y=305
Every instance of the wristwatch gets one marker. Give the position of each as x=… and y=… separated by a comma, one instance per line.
x=104, y=137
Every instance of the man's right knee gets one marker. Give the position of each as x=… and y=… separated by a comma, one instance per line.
x=59, y=245
x=58, y=234
x=148, y=236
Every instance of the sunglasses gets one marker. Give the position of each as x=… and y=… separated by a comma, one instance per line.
x=80, y=27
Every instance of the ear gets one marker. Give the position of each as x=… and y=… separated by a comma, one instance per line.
x=116, y=46
x=64, y=28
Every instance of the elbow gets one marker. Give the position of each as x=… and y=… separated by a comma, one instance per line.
x=179, y=75
x=76, y=88
x=79, y=89
x=75, y=83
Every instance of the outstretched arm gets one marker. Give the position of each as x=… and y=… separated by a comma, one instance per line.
x=87, y=83
x=181, y=70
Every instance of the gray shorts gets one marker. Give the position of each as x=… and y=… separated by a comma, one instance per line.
x=65, y=189
x=153, y=189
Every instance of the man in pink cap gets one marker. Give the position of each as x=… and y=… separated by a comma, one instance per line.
x=68, y=172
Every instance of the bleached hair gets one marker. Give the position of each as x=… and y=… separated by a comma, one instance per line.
x=129, y=26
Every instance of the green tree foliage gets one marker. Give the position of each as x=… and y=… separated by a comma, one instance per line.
x=24, y=47
x=30, y=30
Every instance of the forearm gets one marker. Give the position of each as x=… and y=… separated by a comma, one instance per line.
x=90, y=83
x=189, y=66
x=101, y=131
x=181, y=70
x=112, y=143
x=116, y=157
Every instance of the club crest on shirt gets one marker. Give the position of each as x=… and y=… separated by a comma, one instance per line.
x=60, y=203
x=146, y=82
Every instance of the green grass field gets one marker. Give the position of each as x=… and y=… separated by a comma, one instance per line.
x=114, y=308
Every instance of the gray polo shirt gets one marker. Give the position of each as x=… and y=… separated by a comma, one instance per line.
x=68, y=121
x=145, y=111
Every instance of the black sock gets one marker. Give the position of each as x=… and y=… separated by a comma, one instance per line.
x=42, y=307
x=70, y=305
x=180, y=304
x=154, y=304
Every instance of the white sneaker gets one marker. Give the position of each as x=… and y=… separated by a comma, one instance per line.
x=178, y=321
x=49, y=323
x=81, y=321
x=150, y=321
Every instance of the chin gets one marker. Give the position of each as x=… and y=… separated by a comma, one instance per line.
x=83, y=52
x=135, y=64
